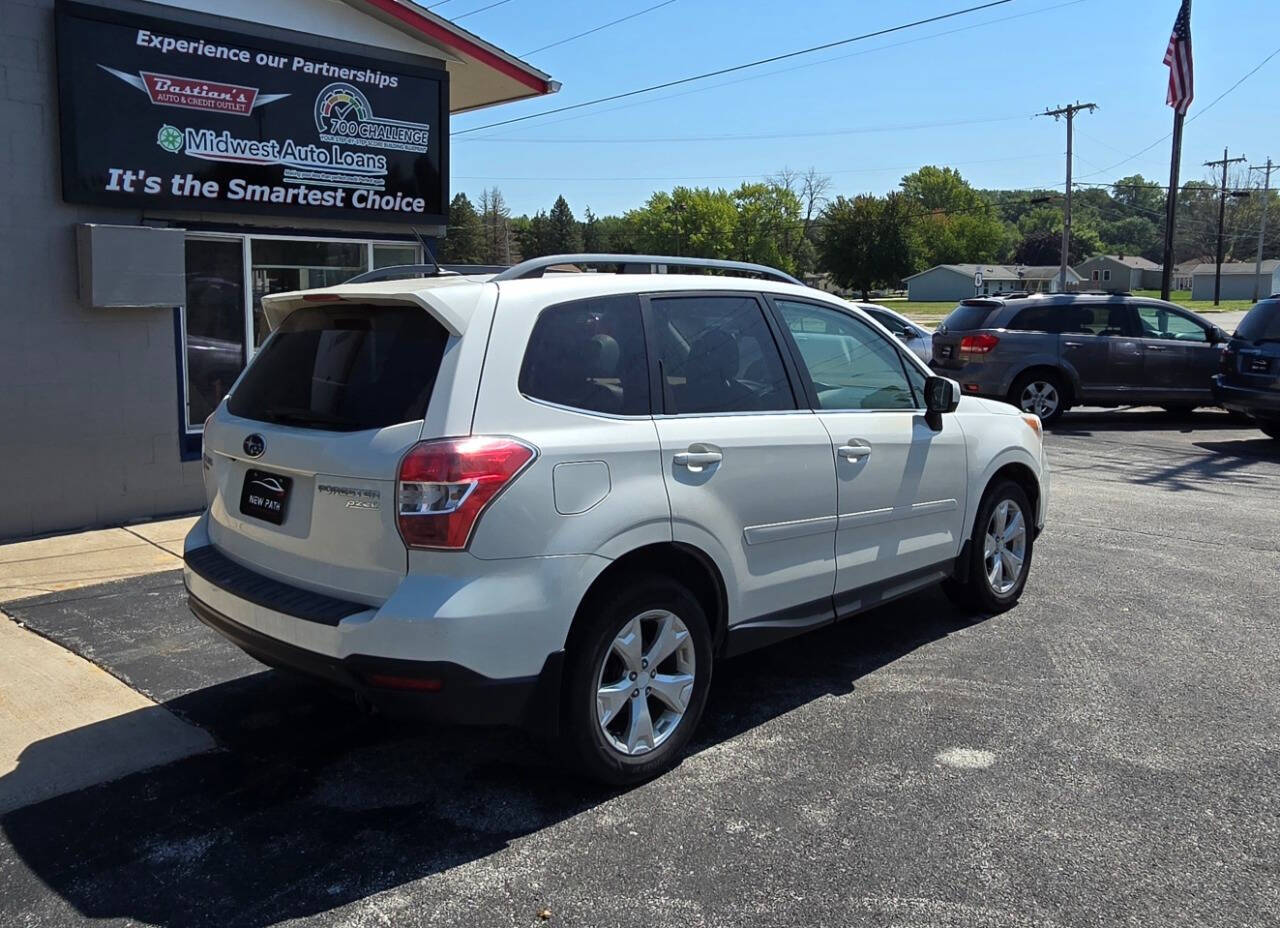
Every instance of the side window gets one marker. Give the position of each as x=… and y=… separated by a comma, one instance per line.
x=589, y=354
x=851, y=365
x=890, y=323
x=1160, y=322
x=1103, y=319
x=717, y=354
x=1040, y=319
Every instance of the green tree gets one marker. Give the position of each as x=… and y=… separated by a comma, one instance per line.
x=956, y=223
x=769, y=228
x=534, y=235
x=564, y=236
x=867, y=241
x=464, y=242
x=595, y=239
x=1137, y=193
x=688, y=221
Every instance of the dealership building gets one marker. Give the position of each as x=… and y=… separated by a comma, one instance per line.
x=165, y=165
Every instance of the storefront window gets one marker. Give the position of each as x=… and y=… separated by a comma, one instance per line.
x=214, y=323
x=289, y=264
x=394, y=255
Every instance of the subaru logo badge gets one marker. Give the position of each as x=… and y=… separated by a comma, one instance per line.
x=254, y=445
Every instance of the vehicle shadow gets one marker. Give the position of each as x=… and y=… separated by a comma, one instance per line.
x=1089, y=421
x=309, y=805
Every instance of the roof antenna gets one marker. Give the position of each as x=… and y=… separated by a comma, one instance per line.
x=426, y=249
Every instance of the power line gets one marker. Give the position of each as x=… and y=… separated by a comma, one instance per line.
x=738, y=67
x=479, y=10
x=742, y=137
x=614, y=22
x=660, y=98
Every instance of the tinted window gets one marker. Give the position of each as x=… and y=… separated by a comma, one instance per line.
x=344, y=368
x=718, y=355
x=851, y=365
x=965, y=317
x=589, y=354
x=1160, y=322
x=1042, y=319
x=1263, y=321
x=1098, y=319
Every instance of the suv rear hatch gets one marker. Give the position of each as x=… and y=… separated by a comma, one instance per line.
x=949, y=346
x=1252, y=358
x=301, y=459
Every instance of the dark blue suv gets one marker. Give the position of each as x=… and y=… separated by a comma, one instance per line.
x=1250, y=378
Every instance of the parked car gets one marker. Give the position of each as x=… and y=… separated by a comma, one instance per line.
x=917, y=339
x=558, y=501
x=1250, y=378
x=1047, y=353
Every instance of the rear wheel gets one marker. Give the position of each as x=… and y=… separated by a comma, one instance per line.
x=999, y=551
x=638, y=674
x=1040, y=392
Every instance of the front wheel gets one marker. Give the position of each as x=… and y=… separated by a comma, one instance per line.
x=999, y=552
x=1040, y=392
x=638, y=675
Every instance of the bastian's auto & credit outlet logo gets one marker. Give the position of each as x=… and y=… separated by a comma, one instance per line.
x=194, y=94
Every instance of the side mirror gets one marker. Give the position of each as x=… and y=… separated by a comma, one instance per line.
x=903, y=335
x=1217, y=335
x=941, y=394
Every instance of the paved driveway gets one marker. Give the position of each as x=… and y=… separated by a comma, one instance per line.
x=1106, y=754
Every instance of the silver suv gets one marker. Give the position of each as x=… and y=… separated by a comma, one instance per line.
x=558, y=500
x=1046, y=354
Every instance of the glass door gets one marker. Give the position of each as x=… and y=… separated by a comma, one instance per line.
x=213, y=323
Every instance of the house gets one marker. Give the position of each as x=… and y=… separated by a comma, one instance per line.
x=1181, y=277
x=1118, y=273
x=1238, y=279
x=955, y=281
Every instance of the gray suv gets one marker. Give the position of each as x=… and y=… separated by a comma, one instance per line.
x=1047, y=353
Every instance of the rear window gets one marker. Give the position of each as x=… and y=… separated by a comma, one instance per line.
x=589, y=354
x=1042, y=319
x=965, y=317
x=1261, y=322
x=344, y=368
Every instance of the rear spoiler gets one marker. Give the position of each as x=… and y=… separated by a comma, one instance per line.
x=277, y=307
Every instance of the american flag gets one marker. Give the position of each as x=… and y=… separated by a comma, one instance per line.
x=1178, y=58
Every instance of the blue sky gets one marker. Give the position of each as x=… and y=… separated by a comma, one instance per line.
x=959, y=93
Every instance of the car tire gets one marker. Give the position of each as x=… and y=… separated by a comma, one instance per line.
x=608, y=742
x=1040, y=390
x=976, y=588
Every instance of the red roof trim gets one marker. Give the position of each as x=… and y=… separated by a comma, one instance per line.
x=451, y=39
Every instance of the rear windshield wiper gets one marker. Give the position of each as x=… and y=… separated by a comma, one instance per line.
x=300, y=415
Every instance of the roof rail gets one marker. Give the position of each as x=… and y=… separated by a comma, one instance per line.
x=641, y=264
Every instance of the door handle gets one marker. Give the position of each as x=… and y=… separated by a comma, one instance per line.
x=697, y=458
x=853, y=452
x=1071, y=344
x=1156, y=348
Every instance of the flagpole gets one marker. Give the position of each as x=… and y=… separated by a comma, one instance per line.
x=1171, y=205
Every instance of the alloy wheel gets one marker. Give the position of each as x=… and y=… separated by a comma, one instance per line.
x=645, y=682
x=1040, y=397
x=1004, y=546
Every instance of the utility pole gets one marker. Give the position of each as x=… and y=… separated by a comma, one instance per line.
x=1070, y=113
x=1222, y=218
x=1262, y=229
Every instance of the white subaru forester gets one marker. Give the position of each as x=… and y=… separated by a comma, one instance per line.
x=556, y=500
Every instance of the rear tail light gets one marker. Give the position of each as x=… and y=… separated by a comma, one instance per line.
x=978, y=344
x=445, y=485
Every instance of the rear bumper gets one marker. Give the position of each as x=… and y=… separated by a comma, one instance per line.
x=1261, y=404
x=439, y=691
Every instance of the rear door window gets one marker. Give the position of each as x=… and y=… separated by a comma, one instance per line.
x=1103, y=319
x=344, y=368
x=717, y=354
x=1052, y=319
x=590, y=355
x=1262, y=323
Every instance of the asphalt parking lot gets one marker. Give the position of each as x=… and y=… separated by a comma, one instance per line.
x=1107, y=753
